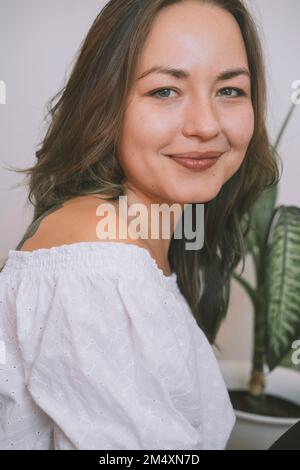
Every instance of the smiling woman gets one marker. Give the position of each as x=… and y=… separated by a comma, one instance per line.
x=165, y=104
x=199, y=117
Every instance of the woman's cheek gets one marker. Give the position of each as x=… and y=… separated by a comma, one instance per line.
x=148, y=127
x=239, y=128
x=247, y=125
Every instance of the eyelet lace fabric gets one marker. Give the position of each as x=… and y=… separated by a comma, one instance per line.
x=102, y=352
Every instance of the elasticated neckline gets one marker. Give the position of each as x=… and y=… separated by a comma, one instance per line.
x=88, y=254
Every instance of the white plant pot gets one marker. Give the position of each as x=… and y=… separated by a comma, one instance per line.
x=253, y=431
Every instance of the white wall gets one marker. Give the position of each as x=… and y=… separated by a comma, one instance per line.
x=38, y=43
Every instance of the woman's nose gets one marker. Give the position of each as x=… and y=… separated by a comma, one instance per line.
x=200, y=119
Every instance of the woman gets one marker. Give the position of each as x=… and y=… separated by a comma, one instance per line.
x=109, y=343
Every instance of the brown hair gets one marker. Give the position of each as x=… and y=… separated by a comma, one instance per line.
x=78, y=154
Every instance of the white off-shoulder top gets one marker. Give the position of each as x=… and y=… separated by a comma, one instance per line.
x=100, y=350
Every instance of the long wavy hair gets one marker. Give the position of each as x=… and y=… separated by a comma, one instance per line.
x=78, y=154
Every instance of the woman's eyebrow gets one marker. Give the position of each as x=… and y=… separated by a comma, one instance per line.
x=182, y=74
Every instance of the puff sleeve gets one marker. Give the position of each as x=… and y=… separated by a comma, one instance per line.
x=88, y=369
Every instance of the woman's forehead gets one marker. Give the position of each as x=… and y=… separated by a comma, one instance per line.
x=196, y=42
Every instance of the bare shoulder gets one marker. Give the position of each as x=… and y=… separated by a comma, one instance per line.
x=74, y=221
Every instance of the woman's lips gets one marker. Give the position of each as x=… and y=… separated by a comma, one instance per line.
x=196, y=164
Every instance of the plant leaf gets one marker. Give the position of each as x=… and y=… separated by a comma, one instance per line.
x=262, y=214
x=260, y=218
x=282, y=281
x=250, y=239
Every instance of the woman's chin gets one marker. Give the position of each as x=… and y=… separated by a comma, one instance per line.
x=196, y=196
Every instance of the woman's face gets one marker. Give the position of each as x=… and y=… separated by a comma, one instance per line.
x=198, y=113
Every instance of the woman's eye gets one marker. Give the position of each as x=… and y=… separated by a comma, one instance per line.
x=161, y=90
x=163, y=93
x=237, y=90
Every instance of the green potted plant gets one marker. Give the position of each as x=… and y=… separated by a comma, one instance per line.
x=266, y=408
